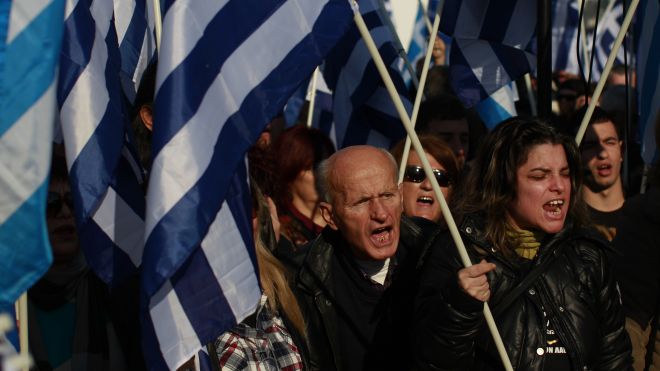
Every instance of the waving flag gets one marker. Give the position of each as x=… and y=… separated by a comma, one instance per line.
x=30, y=34
x=499, y=106
x=363, y=111
x=494, y=43
x=608, y=29
x=648, y=75
x=225, y=69
x=104, y=172
x=134, y=23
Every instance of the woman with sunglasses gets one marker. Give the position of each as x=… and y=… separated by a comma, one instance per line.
x=418, y=196
x=544, y=273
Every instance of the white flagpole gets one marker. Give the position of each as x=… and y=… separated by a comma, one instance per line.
x=382, y=69
x=606, y=71
x=23, y=329
x=158, y=23
x=312, y=97
x=420, y=91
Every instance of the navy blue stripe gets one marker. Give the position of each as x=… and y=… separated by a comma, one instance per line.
x=200, y=205
x=465, y=84
x=111, y=264
x=202, y=298
x=338, y=57
x=497, y=19
x=514, y=61
x=128, y=188
x=449, y=18
x=131, y=47
x=93, y=169
x=240, y=204
x=200, y=68
x=77, y=43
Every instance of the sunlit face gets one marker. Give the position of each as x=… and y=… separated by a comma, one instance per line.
x=456, y=133
x=419, y=198
x=60, y=221
x=543, y=190
x=366, y=205
x=601, y=155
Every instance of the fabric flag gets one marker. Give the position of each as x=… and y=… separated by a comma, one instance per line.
x=104, y=172
x=608, y=29
x=494, y=43
x=30, y=36
x=648, y=75
x=226, y=68
x=134, y=23
x=499, y=106
x=565, y=20
x=363, y=111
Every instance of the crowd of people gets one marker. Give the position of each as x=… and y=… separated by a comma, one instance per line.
x=360, y=272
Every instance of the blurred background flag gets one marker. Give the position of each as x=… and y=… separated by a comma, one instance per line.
x=226, y=68
x=363, y=111
x=134, y=23
x=493, y=43
x=104, y=171
x=648, y=75
x=30, y=34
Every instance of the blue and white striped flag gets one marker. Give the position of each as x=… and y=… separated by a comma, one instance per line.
x=648, y=75
x=494, y=43
x=226, y=68
x=362, y=108
x=565, y=17
x=608, y=29
x=134, y=22
x=30, y=35
x=499, y=106
x=105, y=175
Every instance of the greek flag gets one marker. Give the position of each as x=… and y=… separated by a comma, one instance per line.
x=494, y=43
x=134, y=22
x=363, y=111
x=226, y=68
x=565, y=17
x=499, y=106
x=104, y=172
x=608, y=29
x=648, y=75
x=30, y=36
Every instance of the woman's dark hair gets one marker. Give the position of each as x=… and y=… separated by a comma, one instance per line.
x=492, y=181
x=297, y=149
x=436, y=148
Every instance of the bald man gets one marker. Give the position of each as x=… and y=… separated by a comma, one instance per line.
x=358, y=279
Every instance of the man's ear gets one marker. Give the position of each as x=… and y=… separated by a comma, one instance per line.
x=328, y=215
x=146, y=115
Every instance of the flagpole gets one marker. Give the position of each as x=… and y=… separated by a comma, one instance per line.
x=389, y=84
x=312, y=98
x=23, y=328
x=420, y=91
x=158, y=23
x=606, y=71
x=425, y=15
x=585, y=45
x=530, y=94
x=544, y=59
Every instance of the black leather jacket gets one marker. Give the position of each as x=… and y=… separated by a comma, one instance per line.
x=577, y=291
x=316, y=295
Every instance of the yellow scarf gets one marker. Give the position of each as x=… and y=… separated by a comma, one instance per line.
x=528, y=242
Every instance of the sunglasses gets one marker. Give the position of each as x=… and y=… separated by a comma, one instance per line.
x=416, y=174
x=55, y=201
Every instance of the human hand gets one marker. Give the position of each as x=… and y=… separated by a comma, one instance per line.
x=473, y=281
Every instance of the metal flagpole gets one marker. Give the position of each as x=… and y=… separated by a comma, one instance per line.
x=530, y=95
x=544, y=60
x=382, y=69
x=420, y=91
x=606, y=71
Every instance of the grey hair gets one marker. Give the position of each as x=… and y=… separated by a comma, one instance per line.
x=322, y=175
